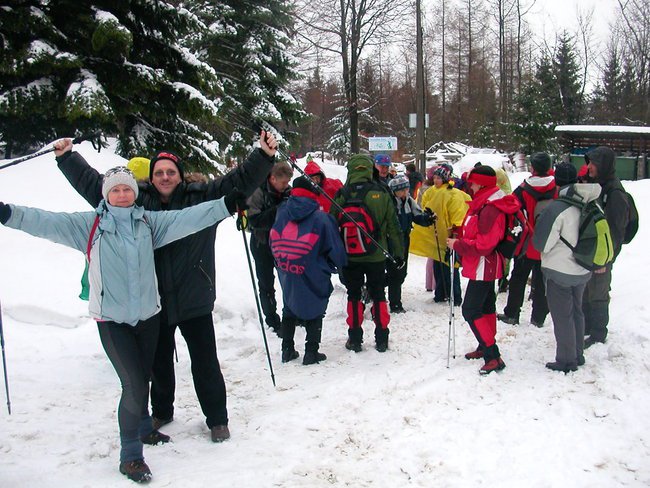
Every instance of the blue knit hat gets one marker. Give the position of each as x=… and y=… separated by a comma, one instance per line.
x=398, y=183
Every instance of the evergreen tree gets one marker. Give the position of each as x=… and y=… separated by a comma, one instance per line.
x=247, y=43
x=339, y=144
x=71, y=66
x=567, y=76
x=532, y=125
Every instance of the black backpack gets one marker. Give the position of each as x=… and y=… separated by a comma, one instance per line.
x=632, y=217
x=356, y=243
x=517, y=234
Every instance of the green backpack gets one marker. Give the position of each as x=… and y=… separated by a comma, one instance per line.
x=594, y=248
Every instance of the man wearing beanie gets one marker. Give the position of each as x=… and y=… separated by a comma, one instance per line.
x=307, y=248
x=595, y=303
x=185, y=270
x=366, y=262
x=534, y=193
x=565, y=278
x=483, y=229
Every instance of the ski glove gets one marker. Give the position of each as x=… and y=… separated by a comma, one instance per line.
x=431, y=215
x=235, y=200
x=5, y=213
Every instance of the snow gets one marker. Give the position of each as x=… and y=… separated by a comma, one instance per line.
x=633, y=129
x=384, y=420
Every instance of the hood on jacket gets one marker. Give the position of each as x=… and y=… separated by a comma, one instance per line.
x=312, y=169
x=508, y=204
x=541, y=184
x=583, y=192
x=299, y=208
x=603, y=158
x=360, y=168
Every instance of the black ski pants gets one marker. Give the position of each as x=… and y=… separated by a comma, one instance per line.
x=517, y=289
x=595, y=304
x=208, y=380
x=131, y=351
x=265, y=271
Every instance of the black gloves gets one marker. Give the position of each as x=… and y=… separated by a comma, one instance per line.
x=431, y=216
x=399, y=263
x=5, y=213
x=235, y=200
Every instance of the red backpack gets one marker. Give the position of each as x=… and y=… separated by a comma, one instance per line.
x=357, y=215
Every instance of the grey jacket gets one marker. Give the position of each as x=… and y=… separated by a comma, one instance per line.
x=123, y=284
x=560, y=219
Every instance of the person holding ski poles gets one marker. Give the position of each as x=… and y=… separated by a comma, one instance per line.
x=185, y=270
x=484, y=227
x=120, y=238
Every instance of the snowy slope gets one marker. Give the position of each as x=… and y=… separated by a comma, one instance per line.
x=383, y=420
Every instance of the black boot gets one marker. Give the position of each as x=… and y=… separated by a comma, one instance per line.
x=381, y=339
x=312, y=341
x=355, y=339
x=289, y=352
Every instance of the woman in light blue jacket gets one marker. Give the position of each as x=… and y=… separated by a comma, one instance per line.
x=120, y=238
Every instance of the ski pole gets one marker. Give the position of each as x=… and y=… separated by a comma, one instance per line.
x=452, y=324
x=4, y=362
x=241, y=225
x=76, y=140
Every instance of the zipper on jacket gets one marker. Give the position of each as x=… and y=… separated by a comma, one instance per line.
x=207, y=277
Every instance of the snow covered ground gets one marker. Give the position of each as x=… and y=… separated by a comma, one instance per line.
x=384, y=420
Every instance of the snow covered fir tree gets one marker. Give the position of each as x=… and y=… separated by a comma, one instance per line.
x=145, y=71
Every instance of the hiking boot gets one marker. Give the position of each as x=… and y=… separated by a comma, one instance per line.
x=590, y=341
x=492, y=365
x=581, y=361
x=154, y=438
x=219, y=433
x=353, y=345
x=381, y=346
x=397, y=309
x=289, y=355
x=158, y=423
x=564, y=367
x=536, y=323
x=478, y=354
x=507, y=320
x=137, y=470
x=313, y=357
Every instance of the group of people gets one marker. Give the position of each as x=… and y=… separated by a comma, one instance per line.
x=150, y=251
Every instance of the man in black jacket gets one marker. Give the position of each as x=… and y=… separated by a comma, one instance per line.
x=595, y=301
x=185, y=271
x=262, y=208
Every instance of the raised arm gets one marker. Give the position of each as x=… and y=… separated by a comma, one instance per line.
x=83, y=178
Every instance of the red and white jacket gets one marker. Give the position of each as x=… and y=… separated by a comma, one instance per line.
x=530, y=193
x=484, y=227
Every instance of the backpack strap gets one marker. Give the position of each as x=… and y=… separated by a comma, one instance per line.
x=90, y=237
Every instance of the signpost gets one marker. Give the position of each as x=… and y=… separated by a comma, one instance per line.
x=382, y=143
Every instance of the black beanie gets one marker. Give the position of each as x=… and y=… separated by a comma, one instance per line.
x=541, y=163
x=305, y=184
x=166, y=155
x=565, y=174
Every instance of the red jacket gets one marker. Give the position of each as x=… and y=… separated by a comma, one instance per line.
x=530, y=193
x=329, y=185
x=483, y=228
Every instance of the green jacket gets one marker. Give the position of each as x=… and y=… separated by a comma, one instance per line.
x=380, y=205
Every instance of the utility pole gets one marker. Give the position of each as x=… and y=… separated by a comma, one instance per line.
x=420, y=155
